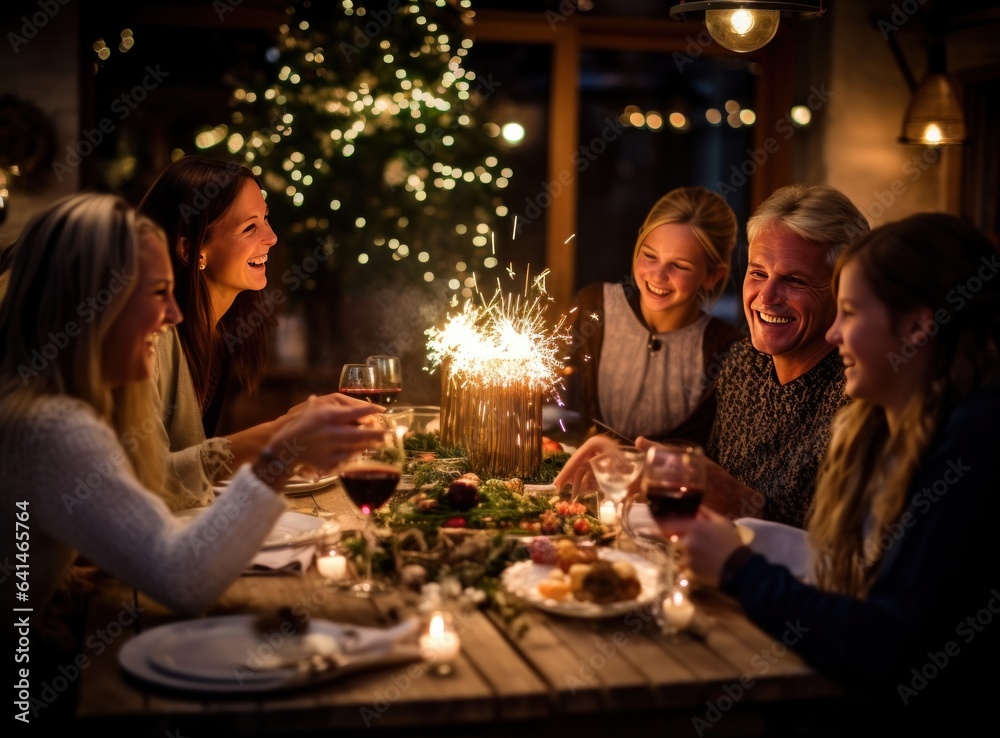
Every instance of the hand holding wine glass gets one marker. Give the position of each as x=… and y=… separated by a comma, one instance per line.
x=388, y=377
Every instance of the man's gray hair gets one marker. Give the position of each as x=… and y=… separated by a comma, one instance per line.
x=819, y=213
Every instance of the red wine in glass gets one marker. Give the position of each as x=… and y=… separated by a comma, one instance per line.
x=672, y=501
x=363, y=393
x=370, y=487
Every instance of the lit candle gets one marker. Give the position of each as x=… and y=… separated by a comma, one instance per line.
x=440, y=644
x=333, y=566
x=678, y=611
x=608, y=514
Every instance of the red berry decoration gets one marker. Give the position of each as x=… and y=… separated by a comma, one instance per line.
x=543, y=551
x=455, y=523
x=463, y=494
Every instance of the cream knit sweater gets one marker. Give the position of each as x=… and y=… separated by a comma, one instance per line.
x=82, y=498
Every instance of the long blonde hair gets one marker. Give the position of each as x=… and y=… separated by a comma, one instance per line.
x=72, y=271
x=864, y=481
x=711, y=220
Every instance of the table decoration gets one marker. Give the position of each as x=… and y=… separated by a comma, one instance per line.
x=498, y=360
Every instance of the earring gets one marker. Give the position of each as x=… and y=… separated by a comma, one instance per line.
x=201, y=263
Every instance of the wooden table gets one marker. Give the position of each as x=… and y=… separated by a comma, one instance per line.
x=563, y=674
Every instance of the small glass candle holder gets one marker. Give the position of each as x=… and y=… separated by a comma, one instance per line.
x=332, y=562
x=608, y=514
x=439, y=643
x=677, y=609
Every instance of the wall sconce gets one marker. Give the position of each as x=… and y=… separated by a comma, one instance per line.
x=748, y=25
x=934, y=116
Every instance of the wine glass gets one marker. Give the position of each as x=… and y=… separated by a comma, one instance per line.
x=369, y=478
x=673, y=480
x=359, y=381
x=388, y=377
x=614, y=471
x=672, y=484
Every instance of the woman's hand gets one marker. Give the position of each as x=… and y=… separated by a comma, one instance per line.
x=706, y=541
x=577, y=471
x=322, y=435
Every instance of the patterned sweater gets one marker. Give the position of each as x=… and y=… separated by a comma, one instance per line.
x=770, y=436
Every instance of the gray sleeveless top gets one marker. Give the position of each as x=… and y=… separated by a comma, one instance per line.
x=644, y=392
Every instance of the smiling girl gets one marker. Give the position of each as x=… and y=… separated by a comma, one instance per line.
x=903, y=524
x=644, y=349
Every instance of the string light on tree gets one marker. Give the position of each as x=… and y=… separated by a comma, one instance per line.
x=365, y=117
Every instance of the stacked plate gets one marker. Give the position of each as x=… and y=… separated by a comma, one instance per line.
x=230, y=654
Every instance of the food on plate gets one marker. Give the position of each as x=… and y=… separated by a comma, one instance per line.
x=569, y=553
x=592, y=580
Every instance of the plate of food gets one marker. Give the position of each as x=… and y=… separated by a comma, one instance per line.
x=582, y=580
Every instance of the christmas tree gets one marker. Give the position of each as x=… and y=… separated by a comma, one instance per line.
x=363, y=127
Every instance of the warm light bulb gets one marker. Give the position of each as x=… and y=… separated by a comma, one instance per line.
x=742, y=30
x=932, y=134
x=741, y=21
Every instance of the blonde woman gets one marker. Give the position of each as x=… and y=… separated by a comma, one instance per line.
x=645, y=352
x=904, y=518
x=89, y=289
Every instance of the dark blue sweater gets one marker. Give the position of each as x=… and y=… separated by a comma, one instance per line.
x=927, y=635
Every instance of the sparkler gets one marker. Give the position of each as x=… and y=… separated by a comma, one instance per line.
x=499, y=357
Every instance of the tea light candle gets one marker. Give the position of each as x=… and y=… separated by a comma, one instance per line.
x=332, y=566
x=607, y=514
x=440, y=644
x=678, y=611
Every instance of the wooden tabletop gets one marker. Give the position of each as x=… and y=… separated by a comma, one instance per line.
x=587, y=676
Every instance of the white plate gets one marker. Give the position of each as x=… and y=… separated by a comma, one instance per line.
x=292, y=528
x=297, y=485
x=522, y=579
x=225, y=654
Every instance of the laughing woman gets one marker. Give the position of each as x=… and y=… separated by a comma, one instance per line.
x=77, y=468
x=217, y=226
x=903, y=524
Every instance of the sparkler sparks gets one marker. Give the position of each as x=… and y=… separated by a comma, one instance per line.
x=504, y=338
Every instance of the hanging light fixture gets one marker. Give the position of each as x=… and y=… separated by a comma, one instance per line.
x=934, y=116
x=748, y=25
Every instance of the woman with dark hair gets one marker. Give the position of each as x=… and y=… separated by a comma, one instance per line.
x=216, y=220
x=904, y=517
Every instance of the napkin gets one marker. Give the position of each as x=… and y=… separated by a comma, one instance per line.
x=781, y=544
x=291, y=560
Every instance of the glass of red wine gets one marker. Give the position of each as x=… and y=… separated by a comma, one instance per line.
x=671, y=485
x=370, y=478
x=359, y=381
x=673, y=480
x=388, y=377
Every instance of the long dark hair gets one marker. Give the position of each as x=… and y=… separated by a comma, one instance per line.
x=188, y=199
